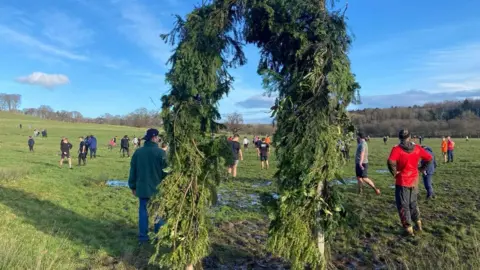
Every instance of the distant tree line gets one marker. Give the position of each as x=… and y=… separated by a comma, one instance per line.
x=139, y=118
x=10, y=102
x=448, y=118
x=235, y=124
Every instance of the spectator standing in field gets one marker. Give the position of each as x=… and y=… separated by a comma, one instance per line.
x=31, y=143
x=444, y=149
x=257, y=146
x=428, y=174
x=237, y=155
x=385, y=140
x=420, y=138
x=135, y=142
x=466, y=138
x=125, y=146
x=361, y=165
x=264, y=151
x=146, y=173
x=245, y=143
x=93, y=146
x=450, y=148
x=403, y=165
x=65, y=148
x=21, y=126
x=111, y=144
x=82, y=152
x=267, y=140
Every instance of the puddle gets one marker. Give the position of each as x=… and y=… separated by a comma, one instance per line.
x=117, y=183
x=265, y=184
x=237, y=199
x=347, y=181
x=383, y=171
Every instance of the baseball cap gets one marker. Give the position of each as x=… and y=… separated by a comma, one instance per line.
x=150, y=134
x=361, y=135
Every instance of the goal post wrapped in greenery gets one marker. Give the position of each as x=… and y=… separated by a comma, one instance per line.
x=304, y=62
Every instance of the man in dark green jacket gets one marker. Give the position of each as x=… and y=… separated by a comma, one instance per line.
x=146, y=173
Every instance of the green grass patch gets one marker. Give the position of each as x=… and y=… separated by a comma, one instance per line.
x=54, y=218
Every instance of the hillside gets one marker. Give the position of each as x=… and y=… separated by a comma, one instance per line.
x=449, y=118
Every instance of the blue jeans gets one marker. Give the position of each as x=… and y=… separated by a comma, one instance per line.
x=143, y=221
x=450, y=155
x=427, y=181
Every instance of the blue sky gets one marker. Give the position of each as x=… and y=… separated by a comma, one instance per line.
x=105, y=56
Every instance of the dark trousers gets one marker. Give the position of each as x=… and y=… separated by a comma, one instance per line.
x=406, y=200
x=450, y=155
x=31, y=148
x=427, y=181
x=93, y=152
x=125, y=149
x=82, y=157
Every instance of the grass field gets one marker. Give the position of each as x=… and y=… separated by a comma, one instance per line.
x=54, y=218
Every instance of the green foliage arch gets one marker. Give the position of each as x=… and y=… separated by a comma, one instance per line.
x=304, y=62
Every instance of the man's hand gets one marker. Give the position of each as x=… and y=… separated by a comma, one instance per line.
x=361, y=167
x=134, y=192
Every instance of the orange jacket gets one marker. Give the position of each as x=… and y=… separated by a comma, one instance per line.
x=444, y=146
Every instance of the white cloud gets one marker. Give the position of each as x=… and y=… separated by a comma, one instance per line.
x=65, y=30
x=143, y=29
x=45, y=80
x=10, y=35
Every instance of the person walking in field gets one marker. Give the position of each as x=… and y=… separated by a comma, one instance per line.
x=146, y=173
x=403, y=165
x=264, y=152
x=237, y=155
x=92, y=144
x=125, y=146
x=361, y=165
x=31, y=143
x=82, y=152
x=135, y=142
x=268, y=140
x=245, y=143
x=450, y=148
x=428, y=174
x=111, y=144
x=444, y=149
x=65, y=148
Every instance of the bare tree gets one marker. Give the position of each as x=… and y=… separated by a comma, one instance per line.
x=234, y=122
x=10, y=102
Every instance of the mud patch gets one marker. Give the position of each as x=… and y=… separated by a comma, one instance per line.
x=241, y=245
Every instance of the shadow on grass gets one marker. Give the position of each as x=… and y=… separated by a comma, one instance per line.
x=113, y=236
x=45, y=164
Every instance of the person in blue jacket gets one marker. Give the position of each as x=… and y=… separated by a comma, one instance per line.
x=428, y=174
x=92, y=145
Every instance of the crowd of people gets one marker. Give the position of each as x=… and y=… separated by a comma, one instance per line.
x=406, y=160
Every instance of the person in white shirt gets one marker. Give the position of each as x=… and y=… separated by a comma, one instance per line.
x=245, y=143
x=135, y=142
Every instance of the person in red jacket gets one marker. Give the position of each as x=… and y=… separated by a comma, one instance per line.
x=403, y=164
